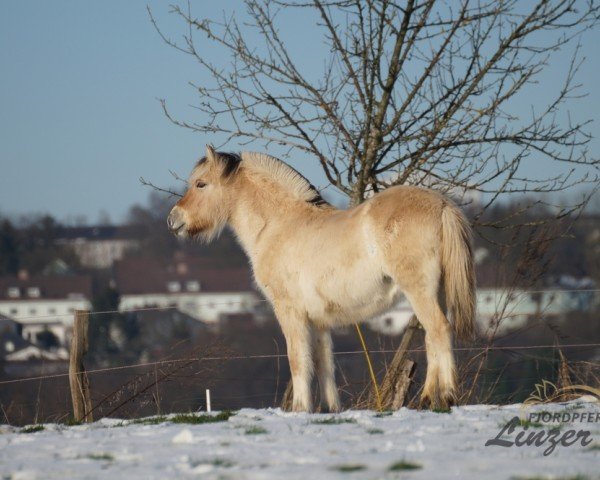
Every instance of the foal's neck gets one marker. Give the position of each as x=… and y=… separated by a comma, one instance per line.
x=258, y=212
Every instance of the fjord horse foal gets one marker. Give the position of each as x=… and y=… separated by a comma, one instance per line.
x=322, y=267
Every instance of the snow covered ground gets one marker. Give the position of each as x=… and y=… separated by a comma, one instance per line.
x=271, y=444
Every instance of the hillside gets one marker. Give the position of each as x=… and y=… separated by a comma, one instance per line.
x=270, y=444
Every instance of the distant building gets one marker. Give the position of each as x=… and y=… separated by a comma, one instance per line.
x=395, y=320
x=14, y=348
x=191, y=285
x=44, y=305
x=508, y=308
x=511, y=308
x=100, y=246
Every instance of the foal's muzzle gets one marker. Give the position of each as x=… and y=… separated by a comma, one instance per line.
x=175, y=220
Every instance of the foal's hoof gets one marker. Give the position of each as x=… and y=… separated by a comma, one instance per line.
x=425, y=402
x=327, y=409
x=437, y=403
x=302, y=408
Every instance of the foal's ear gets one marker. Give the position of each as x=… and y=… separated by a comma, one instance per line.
x=211, y=155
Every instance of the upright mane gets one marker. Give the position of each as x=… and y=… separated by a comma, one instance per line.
x=288, y=178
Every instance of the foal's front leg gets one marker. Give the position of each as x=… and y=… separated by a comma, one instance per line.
x=298, y=338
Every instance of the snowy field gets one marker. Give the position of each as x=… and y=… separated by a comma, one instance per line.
x=271, y=444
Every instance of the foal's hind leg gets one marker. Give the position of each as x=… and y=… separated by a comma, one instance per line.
x=440, y=384
x=325, y=369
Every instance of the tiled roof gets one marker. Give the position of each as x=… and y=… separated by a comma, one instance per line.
x=190, y=274
x=45, y=287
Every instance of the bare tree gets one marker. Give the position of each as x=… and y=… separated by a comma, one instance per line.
x=426, y=92
x=419, y=91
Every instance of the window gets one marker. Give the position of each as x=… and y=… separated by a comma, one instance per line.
x=52, y=311
x=13, y=292
x=33, y=292
x=14, y=311
x=193, y=286
x=174, y=287
x=32, y=311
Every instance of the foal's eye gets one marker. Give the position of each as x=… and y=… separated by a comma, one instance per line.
x=200, y=184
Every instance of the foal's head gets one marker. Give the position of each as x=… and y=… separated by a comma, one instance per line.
x=206, y=206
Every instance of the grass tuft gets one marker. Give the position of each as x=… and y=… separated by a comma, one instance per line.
x=375, y=431
x=349, y=468
x=254, y=430
x=221, y=462
x=101, y=456
x=441, y=410
x=187, y=418
x=204, y=418
x=332, y=421
x=32, y=429
x=386, y=413
x=404, y=465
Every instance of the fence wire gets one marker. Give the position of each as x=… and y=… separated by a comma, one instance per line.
x=283, y=355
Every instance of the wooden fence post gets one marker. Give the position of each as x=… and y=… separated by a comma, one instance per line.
x=399, y=374
x=78, y=379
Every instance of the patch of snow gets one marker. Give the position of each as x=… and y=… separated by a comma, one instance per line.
x=271, y=444
x=185, y=436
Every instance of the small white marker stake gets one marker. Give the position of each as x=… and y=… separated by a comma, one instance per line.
x=208, y=409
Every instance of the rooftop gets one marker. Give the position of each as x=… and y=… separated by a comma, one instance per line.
x=182, y=275
x=45, y=287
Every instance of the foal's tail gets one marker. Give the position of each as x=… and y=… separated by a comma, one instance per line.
x=458, y=271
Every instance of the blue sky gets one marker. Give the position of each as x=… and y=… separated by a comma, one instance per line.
x=79, y=117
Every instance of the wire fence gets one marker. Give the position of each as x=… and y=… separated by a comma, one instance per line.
x=282, y=355
x=135, y=310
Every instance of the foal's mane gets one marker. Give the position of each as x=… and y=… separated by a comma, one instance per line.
x=285, y=176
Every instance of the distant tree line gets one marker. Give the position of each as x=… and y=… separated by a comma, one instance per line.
x=564, y=246
x=31, y=245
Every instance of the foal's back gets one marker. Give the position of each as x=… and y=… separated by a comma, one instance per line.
x=401, y=217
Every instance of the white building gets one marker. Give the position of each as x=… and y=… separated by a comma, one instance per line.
x=190, y=285
x=500, y=308
x=14, y=348
x=510, y=308
x=45, y=303
x=394, y=321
